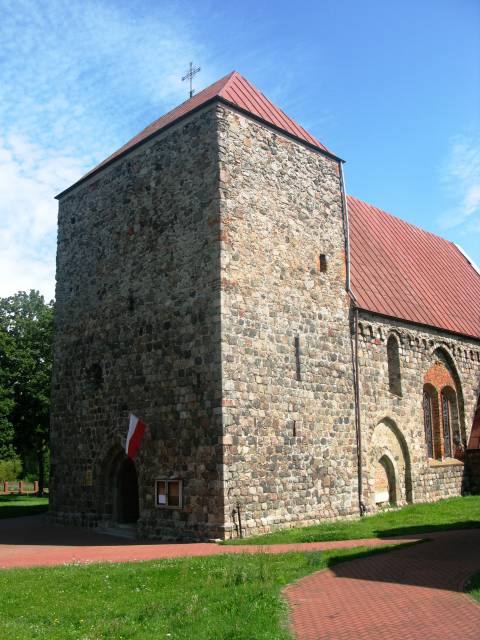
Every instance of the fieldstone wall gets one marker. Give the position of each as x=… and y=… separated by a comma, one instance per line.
x=201, y=286
x=138, y=329
x=288, y=401
x=419, y=350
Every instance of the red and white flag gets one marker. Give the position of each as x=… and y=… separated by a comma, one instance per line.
x=136, y=429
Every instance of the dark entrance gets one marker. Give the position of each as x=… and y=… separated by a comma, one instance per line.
x=127, y=492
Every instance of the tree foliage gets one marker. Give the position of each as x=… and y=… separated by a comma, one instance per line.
x=7, y=450
x=26, y=333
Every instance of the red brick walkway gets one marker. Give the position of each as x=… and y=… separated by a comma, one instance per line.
x=413, y=593
x=33, y=542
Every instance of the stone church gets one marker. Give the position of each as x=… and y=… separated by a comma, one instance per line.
x=296, y=354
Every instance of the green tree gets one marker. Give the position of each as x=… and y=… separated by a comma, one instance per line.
x=7, y=450
x=26, y=323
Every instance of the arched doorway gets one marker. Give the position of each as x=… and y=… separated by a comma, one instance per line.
x=389, y=467
x=385, y=482
x=127, y=506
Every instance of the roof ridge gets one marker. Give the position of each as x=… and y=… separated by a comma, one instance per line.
x=227, y=78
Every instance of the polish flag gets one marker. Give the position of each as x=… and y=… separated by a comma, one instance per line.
x=136, y=429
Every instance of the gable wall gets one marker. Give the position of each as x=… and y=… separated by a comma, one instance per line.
x=138, y=305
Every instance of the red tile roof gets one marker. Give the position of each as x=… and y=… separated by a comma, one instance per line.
x=397, y=269
x=235, y=90
x=401, y=271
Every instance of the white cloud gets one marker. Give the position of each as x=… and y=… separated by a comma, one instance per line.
x=30, y=175
x=78, y=79
x=461, y=179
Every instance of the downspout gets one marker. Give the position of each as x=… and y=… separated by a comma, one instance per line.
x=354, y=342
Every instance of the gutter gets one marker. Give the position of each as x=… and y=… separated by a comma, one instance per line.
x=354, y=343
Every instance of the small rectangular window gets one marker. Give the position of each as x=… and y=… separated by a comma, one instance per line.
x=323, y=263
x=169, y=493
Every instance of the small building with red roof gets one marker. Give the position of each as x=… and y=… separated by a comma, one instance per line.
x=294, y=354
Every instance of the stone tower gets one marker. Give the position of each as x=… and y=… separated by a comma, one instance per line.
x=201, y=285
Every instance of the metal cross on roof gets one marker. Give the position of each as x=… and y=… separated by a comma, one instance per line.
x=190, y=75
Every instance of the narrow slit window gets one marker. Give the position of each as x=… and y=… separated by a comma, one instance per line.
x=447, y=440
x=394, y=370
x=323, y=263
x=428, y=422
x=297, y=358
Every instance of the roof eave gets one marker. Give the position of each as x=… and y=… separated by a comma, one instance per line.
x=418, y=324
x=218, y=99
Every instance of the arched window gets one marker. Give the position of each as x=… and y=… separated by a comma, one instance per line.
x=443, y=415
x=428, y=422
x=452, y=441
x=393, y=358
x=447, y=427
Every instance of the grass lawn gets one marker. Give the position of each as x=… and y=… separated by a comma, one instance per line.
x=455, y=513
x=473, y=586
x=12, y=506
x=233, y=597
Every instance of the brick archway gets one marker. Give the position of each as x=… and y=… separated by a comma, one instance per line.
x=442, y=404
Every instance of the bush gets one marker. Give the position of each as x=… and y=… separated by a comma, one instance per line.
x=10, y=469
x=29, y=477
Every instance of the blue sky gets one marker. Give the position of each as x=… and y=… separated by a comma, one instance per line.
x=393, y=87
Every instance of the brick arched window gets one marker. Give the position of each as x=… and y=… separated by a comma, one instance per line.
x=450, y=423
x=394, y=372
x=447, y=424
x=430, y=418
x=441, y=414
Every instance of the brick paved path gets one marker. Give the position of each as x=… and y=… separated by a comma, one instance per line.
x=408, y=594
x=33, y=542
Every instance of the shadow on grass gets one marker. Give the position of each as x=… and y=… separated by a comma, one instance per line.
x=416, y=530
x=14, y=506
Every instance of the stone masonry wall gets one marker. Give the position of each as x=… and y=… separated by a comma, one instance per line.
x=289, y=444
x=138, y=329
x=201, y=286
x=419, y=349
